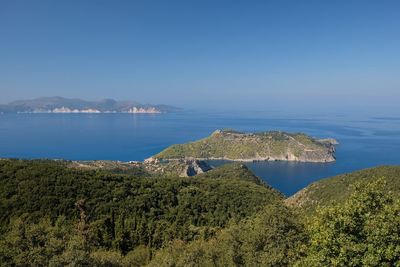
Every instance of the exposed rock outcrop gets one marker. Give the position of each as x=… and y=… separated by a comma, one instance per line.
x=195, y=167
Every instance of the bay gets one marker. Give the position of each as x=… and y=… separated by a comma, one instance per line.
x=365, y=141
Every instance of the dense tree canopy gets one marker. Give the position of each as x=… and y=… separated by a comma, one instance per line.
x=124, y=212
x=338, y=189
x=52, y=215
x=272, y=237
x=364, y=231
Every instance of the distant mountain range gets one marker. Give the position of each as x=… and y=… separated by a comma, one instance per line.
x=68, y=105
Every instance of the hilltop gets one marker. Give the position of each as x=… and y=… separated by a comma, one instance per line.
x=337, y=189
x=74, y=105
x=263, y=146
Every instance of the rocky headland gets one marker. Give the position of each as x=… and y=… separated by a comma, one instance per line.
x=263, y=146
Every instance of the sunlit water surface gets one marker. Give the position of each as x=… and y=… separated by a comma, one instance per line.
x=364, y=141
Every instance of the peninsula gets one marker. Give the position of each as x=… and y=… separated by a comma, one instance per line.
x=264, y=146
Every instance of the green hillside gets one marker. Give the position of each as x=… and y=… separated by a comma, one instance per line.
x=123, y=212
x=55, y=214
x=362, y=229
x=233, y=171
x=233, y=145
x=338, y=188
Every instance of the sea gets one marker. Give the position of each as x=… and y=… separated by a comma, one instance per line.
x=365, y=140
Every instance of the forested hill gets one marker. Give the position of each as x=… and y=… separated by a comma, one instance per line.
x=55, y=214
x=123, y=212
x=337, y=189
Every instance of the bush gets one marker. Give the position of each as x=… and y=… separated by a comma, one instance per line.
x=364, y=231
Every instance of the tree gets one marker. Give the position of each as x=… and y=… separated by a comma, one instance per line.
x=364, y=231
x=33, y=244
x=270, y=238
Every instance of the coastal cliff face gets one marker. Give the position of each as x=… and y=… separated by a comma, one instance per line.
x=265, y=146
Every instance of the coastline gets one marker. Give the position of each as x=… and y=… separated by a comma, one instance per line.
x=243, y=160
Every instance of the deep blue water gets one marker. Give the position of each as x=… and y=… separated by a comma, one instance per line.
x=364, y=141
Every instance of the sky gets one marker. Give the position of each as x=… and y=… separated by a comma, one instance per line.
x=320, y=55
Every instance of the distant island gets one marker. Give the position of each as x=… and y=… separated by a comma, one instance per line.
x=263, y=146
x=68, y=105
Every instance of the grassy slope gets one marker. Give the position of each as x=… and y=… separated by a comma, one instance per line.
x=338, y=188
x=234, y=145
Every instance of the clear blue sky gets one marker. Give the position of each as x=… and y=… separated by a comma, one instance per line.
x=252, y=54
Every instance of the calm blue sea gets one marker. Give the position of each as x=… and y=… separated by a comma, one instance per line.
x=364, y=141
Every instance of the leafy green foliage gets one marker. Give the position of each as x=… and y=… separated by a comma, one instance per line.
x=364, y=231
x=233, y=171
x=270, y=238
x=124, y=212
x=60, y=244
x=339, y=188
x=54, y=215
